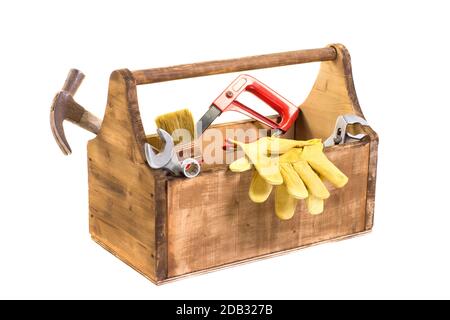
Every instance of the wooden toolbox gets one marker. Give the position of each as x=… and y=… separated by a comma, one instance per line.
x=167, y=227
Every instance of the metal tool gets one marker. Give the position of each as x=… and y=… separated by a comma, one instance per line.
x=340, y=134
x=168, y=159
x=64, y=107
x=227, y=101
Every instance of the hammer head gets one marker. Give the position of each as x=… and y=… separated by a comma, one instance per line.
x=64, y=107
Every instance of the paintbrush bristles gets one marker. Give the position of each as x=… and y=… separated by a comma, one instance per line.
x=181, y=119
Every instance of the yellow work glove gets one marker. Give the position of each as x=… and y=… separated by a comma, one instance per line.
x=299, y=166
x=303, y=171
x=263, y=155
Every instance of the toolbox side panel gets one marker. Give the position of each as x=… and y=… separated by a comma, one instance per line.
x=212, y=222
x=121, y=185
x=332, y=95
x=121, y=207
x=372, y=179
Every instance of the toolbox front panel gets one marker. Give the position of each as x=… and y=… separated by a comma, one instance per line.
x=212, y=222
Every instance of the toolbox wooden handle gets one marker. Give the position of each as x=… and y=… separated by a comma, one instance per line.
x=333, y=94
x=233, y=65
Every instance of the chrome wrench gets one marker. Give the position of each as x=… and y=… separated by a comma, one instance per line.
x=167, y=158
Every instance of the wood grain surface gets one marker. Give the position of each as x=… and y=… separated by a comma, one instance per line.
x=372, y=136
x=121, y=185
x=333, y=94
x=212, y=221
x=233, y=65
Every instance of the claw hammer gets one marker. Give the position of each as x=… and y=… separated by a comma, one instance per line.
x=64, y=107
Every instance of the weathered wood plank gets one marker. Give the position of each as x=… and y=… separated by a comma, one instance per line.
x=160, y=234
x=121, y=185
x=371, y=181
x=332, y=95
x=233, y=65
x=211, y=220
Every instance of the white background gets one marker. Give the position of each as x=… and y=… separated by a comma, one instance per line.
x=400, y=64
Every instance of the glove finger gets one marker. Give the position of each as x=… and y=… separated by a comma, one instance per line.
x=293, y=155
x=259, y=189
x=285, y=204
x=311, y=179
x=269, y=169
x=294, y=185
x=314, y=205
x=281, y=146
x=320, y=163
x=240, y=165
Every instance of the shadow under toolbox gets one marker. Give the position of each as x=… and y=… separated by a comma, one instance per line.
x=167, y=227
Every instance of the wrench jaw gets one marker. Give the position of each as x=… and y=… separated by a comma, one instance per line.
x=168, y=159
x=340, y=134
x=160, y=160
x=152, y=158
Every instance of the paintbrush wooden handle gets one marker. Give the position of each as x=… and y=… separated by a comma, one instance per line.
x=233, y=65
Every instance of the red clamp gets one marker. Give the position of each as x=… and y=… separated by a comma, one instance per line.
x=227, y=101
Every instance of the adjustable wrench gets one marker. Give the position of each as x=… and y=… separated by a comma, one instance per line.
x=340, y=134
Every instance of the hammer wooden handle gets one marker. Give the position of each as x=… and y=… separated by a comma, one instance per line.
x=233, y=65
x=89, y=122
x=73, y=111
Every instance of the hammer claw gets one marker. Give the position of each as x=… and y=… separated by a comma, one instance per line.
x=58, y=134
